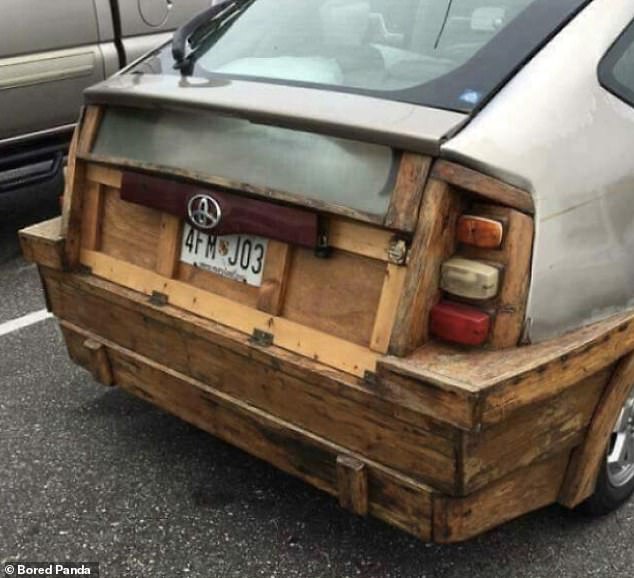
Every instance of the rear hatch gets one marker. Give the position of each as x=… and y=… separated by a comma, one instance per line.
x=296, y=238
x=266, y=171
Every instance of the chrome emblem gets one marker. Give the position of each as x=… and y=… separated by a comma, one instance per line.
x=204, y=212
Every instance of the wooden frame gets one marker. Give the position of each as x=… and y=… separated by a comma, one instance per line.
x=444, y=443
x=344, y=235
x=484, y=186
x=549, y=396
x=587, y=459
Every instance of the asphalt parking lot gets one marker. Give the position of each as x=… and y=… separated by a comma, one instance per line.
x=92, y=474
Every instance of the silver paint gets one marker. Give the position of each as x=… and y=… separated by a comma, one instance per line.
x=555, y=130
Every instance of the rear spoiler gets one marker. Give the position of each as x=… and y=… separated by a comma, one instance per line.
x=396, y=124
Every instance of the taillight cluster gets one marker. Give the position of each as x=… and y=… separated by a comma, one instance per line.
x=469, y=284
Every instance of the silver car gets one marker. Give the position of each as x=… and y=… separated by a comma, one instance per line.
x=384, y=244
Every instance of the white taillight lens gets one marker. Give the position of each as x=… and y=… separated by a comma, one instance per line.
x=470, y=279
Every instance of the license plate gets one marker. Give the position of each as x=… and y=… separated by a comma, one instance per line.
x=237, y=257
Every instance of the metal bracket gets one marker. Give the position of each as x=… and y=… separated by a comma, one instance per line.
x=323, y=250
x=159, y=299
x=261, y=338
x=370, y=378
x=397, y=251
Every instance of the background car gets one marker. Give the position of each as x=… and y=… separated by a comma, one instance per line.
x=49, y=53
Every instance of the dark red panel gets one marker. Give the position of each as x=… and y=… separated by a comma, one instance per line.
x=459, y=323
x=239, y=215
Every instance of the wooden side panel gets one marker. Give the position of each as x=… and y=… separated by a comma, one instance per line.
x=505, y=381
x=339, y=295
x=433, y=243
x=528, y=489
x=586, y=460
x=43, y=244
x=390, y=496
x=130, y=232
x=531, y=435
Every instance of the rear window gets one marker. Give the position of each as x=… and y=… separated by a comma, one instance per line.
x=448, y=54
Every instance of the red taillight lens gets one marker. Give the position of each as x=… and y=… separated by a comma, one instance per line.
x=460, y=323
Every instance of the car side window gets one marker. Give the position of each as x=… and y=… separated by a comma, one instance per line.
x=616, y=71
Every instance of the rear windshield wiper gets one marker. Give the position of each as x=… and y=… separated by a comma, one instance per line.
x=192, y=32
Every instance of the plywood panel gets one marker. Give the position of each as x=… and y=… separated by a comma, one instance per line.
x=338, y=295
x=129, y=232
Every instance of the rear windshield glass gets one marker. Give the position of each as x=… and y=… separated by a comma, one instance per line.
x=449, y=54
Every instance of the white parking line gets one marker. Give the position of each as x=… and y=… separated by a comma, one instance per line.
x=24, y=321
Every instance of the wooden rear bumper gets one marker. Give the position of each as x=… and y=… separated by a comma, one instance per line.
x=444, y=445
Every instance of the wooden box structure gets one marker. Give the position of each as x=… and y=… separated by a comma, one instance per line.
x=327, y=370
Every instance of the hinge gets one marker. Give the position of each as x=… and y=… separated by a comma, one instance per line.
x=397, y=251
x=261, y=338
x=159, y=299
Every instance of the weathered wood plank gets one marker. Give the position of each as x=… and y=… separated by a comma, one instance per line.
x=388, y=305
x=69, y=177
x=168, y=249
x=586, y=460
x=108, y=176
x=483, y=185
x=43, y=244
x=76, y=174
x=89, y=129
x=391, y=496
x=352, y=485
x=527, y=489
x=326, y=348
x=359, y=238
x=92, y=215
x=531, y=434
x=501, y=382
x=408, y=192
x=433, y=243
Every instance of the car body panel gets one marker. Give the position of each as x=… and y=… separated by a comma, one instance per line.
x=51, y=51
x=555, y=130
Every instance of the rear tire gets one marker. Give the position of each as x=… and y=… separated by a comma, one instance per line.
x=615, y=483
